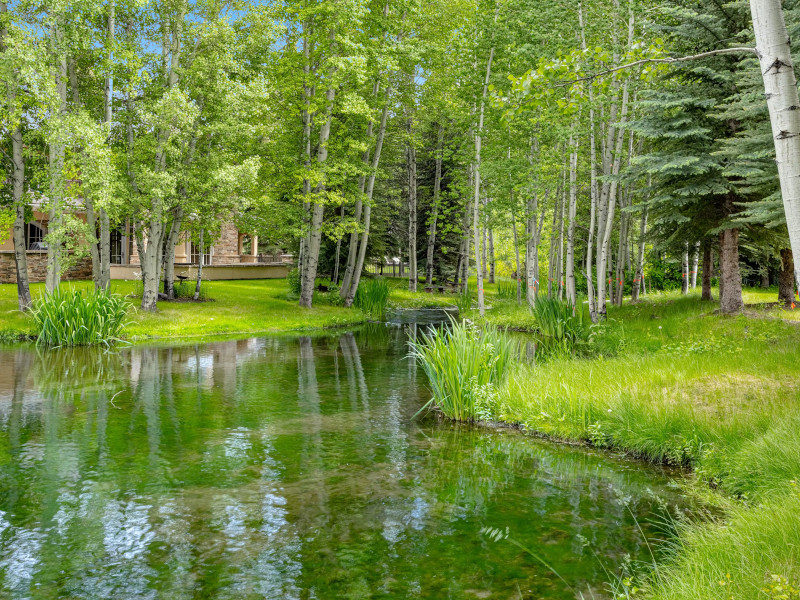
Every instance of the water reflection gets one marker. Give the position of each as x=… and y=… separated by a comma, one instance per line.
x=286, y=468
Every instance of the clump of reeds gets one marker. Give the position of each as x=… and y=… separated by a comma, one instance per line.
x=69, y=318
x=373, y=296
x=507, y=290
x=560, y=325
x=465, y=365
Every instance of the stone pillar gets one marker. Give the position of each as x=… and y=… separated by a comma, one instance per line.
x=254, y=245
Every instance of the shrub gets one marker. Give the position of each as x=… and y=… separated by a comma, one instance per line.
x=72, y=319
x=465, y=366
x=373, y=296
x=294, y=282
x=184, y=290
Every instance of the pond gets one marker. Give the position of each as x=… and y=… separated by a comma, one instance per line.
x=292, y=467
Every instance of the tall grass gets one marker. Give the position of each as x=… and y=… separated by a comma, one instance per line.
x=465, y=365
x=507, y=289
x=559, y=325
x=68, y=318
x=373, y=296
x=464, y=300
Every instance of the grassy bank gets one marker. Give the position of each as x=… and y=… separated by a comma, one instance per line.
x=669, y=381
x=236, y=307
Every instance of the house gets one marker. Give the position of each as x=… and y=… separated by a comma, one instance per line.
x=233, y=256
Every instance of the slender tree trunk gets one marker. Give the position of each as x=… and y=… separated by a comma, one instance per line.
x=695, y=264
x=18, y=180
x=56, y=156
x=105, y=221
x=477, y=183
x=786, y=280
x=490, y=250
x=169, y=252
x=516, y=252
x=594, y=192
x=411, y=154
x=708, y=267
x=638, y=278
x=560, y=269
x=308, y=276
x=773, y=47
x=573, y=204
x=437, y=187
x=685, y=273
x=200, y=261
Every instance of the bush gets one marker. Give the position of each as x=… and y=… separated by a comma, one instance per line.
x=373, y=296
x=72, y=319
x=184, y=290
x=294, y=282
x=465, y=365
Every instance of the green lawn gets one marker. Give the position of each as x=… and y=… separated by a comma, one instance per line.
x=237, y=307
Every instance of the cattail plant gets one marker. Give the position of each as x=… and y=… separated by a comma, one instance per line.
x=73, y=319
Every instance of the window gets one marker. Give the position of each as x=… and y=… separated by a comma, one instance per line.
x=196, y=255
x=117, y=246
x=34, y=237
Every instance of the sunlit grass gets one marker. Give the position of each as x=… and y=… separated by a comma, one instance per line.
x=236, y=307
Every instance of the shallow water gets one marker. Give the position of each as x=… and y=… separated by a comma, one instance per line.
x=290, y=468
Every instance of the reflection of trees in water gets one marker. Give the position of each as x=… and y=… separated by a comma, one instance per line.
x=269, y=467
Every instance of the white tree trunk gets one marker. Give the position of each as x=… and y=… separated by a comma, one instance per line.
x=773, y=47
x=437, y=188
x=573, y=204
x=477, y=185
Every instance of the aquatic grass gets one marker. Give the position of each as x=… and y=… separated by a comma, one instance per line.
x=507, y=289
x=465, y=364
x=373, y=296
x=464, y=300
x=559, y=324
x=70, y=318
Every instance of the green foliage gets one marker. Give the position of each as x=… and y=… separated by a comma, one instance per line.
x=507, y=290
x=73, y=319
x=294, y=282
x=185, y=290
x=465, y=365
x=464, y=300
x=559, y=325
x=373, y=296
x=10, y=336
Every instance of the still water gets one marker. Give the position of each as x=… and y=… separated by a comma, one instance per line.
x=291, y=468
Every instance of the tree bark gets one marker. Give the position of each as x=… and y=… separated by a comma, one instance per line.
x=685, y=271
x=786, y=280
x=18, y=181
x=437, y=188
x=411, y=156
x=516, y=251
x=477, y=184
x=773, y=47
x=56, y=156
x=708, y=267
x=695, y=264
x=169, y=252
x=308, y=275
x=490, y=251
x=730, y=301
x=638, y=277
x=200, y=261
x=573, y=204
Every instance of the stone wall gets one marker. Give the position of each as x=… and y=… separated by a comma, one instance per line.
x=226, y=248
x=37, y=267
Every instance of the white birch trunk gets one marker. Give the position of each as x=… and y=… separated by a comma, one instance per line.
x=773, y=47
